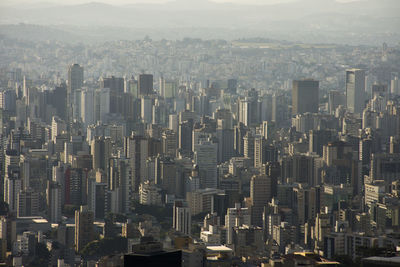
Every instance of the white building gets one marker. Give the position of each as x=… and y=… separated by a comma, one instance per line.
x=182, y=219
x=150, y=194
x=212, y=236
x=236, y=216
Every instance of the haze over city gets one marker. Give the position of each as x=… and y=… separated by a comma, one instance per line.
x=200, y=133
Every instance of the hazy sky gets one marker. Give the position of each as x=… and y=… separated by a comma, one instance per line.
x=121, y=2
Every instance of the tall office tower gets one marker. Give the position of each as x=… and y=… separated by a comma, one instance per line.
x=116, y=87
x=120, y=177
x=28, y=203
x=101, y=152
x=84, y=229
x=87, y=107
x=260, y=194
x=355, y=88
x=12, y=186
x=236, y=216
x=75, y=81
x=74, y=182
x=185, y=135
x=160, y=112
x=137, y=151
x=166, y=175
x=145, y=84
x=182, y=219
x=76, y=104
x=266, y=107
x=205, y=156
x=75, y=78
x=225, y=141
x=53, y=201
x=97, y=196
x=102, y=104
x=146, y=110
x=305, y=96
x=279, y=109
x=59, y=100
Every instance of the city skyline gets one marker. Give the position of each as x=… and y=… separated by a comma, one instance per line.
x=197, y=133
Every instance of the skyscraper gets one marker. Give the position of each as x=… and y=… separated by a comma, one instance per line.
x=145, y=82
x=355, y=87
x=53, y=199
x=260, y=194
x=75, y=81
x=101, y=152
x=75, y=77
x=182, y=220
x=12, y=185
x=84, y=231
x=305, y=96
x=205, y=156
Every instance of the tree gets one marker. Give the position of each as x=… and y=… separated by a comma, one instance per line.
x=105, y=246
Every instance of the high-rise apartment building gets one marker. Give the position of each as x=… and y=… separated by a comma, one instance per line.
x=182, y=219
x=236, y=216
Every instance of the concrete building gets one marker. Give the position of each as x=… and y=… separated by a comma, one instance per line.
x=84, y=228
x=355, y=88
x=182, y=219
x=305, y=96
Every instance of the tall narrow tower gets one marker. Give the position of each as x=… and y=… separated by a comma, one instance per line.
x=75, y=82
x=355, y=87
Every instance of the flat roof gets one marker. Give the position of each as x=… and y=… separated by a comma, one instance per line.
x=219, y=248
